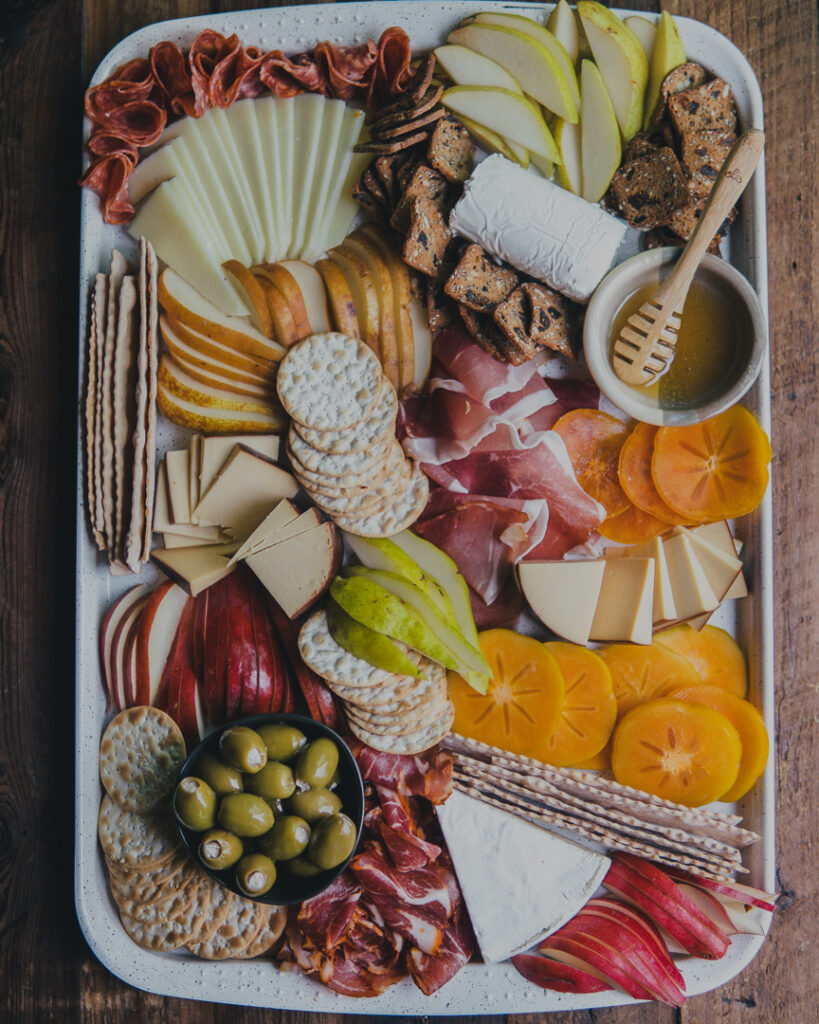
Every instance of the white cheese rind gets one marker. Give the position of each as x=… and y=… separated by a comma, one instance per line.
x=539, y=227
x=520, y=882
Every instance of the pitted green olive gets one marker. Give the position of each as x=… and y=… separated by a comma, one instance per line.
x=220, y=849
x=221, y=777
x=194, y=804
x=245, y=814
x=283, y=742
x=243, y=748
x=255, y=874
x=287, y=838
x=332, y=841
x=316, y=763
x=314, y=804
x=274, y=782
x=301, y=867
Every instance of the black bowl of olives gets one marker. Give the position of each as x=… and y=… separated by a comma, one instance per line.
x=271, y=807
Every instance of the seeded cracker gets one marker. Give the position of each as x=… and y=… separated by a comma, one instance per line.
x=150, y=414
x=270, y=933
x=397, y=517
x=329, y=381
x=90, y=410
x=244, y=921
x=140, y=754
x=123, y=400
x=136, y=840
x=379, y=424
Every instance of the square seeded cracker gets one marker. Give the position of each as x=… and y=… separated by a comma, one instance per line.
x=650, y=188
x=708, y=107
x=702, y=155
x=478, y=282
x=427, y=238
x=451, y=149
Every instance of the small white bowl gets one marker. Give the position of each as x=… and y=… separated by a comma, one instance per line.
x=624, y=280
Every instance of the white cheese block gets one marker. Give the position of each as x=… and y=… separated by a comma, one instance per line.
x=296, y=572
x=520, y=882
x=693, y=594
x=285, y=512
x=563, y=595
x=177, y=473
x=195, y=569
x=540, y=228
x=218, y=448
x=244, y=492
x=626, y=600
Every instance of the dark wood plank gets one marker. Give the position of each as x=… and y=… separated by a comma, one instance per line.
x=48, y=49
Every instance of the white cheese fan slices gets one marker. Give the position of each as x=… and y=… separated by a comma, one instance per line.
x=259, y=182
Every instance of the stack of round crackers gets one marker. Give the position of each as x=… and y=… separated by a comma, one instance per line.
x=342, y=443
x=165, y=900
x=397, y=714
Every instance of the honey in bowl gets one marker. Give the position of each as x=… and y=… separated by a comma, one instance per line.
x=712, y=345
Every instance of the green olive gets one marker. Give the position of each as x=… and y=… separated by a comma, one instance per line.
x=301, y=867
x=334, y=781
x=243, y=748
x=283, y=742
x=221, y=778
x=194, y=803
x=245, y=814
x=313, y=804
x=288, y=838
x=220, y=849
x=316, y=763
x=276, y=806
x=274, y=782
x=332, y=841
x=255, y=874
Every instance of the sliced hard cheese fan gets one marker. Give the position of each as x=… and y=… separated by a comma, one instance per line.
x=563, y=595
x=177, y=474
x=626, y=598
x=663, y=608
x=217, y=450
x=197, y=568
x=267, y=533
x=693, y=594
x=720, y=568
x=543, y=880
x=720, y=535
x=285, y=512
x=163, y=523
x=296, y=572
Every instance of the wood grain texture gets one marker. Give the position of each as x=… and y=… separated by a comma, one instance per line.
x=48, y=49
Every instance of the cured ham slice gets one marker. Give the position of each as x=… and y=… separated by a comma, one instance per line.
x=427, y=775
x=483, y=377
x=431, y=972
x=327, y=918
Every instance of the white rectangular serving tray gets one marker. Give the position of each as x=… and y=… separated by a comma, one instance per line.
x=477, y=989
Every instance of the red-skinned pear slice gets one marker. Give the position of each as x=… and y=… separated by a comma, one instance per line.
x=200, y=621
x=199, y=710
x=122, y=646
x=157, y=628
x=603, y=958
x=710, y=906
x=233, y=614
x=179, y=678
x=215, y=641
x=250, y=656
x=108, y=627
x=557, y=976
x=628, y=916
x=265, y=656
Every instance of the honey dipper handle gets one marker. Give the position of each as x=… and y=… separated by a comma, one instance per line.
x=730, y=184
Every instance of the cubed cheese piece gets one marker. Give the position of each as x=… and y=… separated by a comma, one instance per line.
x=219, y=447
x=663, y=607
x=177, y=474
x=520, y=882
x=563, y=595
x=720, y=567
x=195, y=569
x=283, y=514
x=693, y=594
x=296, y=572
x=626, y=600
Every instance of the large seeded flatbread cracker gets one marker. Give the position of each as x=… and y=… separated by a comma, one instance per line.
x=378, y=425
x=163, y=933
x=410, y=504
x=268, y=935
x=123, y=390
x=140, y=754
x=100, y=310
x=329, y=380
x=97, y=299
x=135, y=537
x=119, y=268
x=136, y=840
x=244, y=921
x=152, y=303
x=408, y=743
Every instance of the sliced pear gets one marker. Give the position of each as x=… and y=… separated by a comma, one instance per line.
x=504, y=112
x=621, y=60
x=181, y=384
x=536, y=70
x=284, y=323
x=281, y=277
x=468, y=67
x=216, y=379
x=388, y=348
x=599, y=134
x=313, y=293
x=421, y=341
x=546, y=167
x=363, y=642
x=194, y=344
x=562, y=24
x=646, y=32
x=342, y=306
x=251, y=291
x=544, y=36
x=487, y=139
x=668, y=54
x=209, y=420
x=363, y=291
x=411, y=621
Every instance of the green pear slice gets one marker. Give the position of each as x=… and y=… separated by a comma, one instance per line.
x=546, y=167
x=570, y=171
x=534, y=67
x=363, y=642
x=543, y=35
x=468, y=67
x=646, y=32
x=562, y=24
x=668, y=53
x=599, y=134
x=622, y=62
x=391, y=605
x=491, y=141
x=504, y=112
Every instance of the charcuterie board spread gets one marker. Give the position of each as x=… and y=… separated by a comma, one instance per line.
x=418, y=654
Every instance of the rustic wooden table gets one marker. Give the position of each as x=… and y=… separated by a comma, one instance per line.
x=48, y=49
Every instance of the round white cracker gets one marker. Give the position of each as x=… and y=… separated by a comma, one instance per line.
x=401, y=724
x=402, y=693
x=163, y=933
x=378, y=424
x=329, y=381
x=316, y=460
x=269, y=934
x=377, y=499
x=398, y=516
x=136, y=840
x=244, y=920
x=140, y=754
x=329, y=659
x=392, y=456
x=409, y=743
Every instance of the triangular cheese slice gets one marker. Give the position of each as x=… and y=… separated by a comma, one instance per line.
x=217, y=448
x=693, y=594
x=563, y=595
x=195, y=569
x=626, y=599
x=283, y=514
x=245, y=491
x=520, y=882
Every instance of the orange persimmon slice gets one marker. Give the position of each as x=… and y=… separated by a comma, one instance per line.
x=593, y=440
x=715, y=655
x=599, y=763
x=683, y=752
x=589, y=707
x=633, y=526
x=717, y=469
x=635, y=475
x=521, y=706
x=748, y=723
x=639, y=674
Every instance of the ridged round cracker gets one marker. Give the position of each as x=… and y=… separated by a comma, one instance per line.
x=402, y=723
x=143, y=841
x=329, y=659
x=378, y=424
x=401, y=693
x=147, y=886
x=329, y=381
x=269, y=934
x=391, y=457
x=221, y=902
x=244, y=921
x=140, y=754
x=379, y=498
x=409, y=505
x=408, y=743
x=166, y=933
x=316, y=460
x=175, y=896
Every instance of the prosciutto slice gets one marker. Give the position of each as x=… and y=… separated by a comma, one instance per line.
x=327, y=918
x=430, y=973
x=426, y=775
